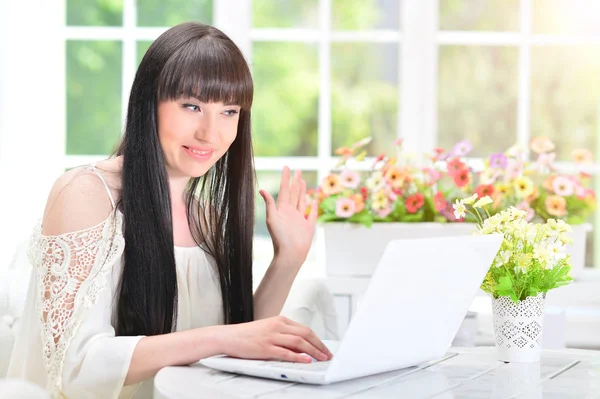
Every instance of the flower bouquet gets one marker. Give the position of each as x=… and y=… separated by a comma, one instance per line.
x=366, y=202
x=531, y=261
x=394, y=188
x=537, y=187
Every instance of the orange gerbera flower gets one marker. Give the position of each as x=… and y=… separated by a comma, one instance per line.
x=359, y=203
x=548, y=183
x=332, y=185
x=396, y=177
x=556, y=205
x=582, y=155
x=344, y=151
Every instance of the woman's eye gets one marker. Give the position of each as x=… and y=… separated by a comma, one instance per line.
x=231, y=112
x=192, y=107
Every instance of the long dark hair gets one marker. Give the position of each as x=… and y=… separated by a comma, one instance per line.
x=198, y=61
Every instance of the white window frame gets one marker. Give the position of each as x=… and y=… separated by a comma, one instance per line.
x=419, y=40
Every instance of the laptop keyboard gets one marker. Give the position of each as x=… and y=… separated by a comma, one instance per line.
x=314, y=366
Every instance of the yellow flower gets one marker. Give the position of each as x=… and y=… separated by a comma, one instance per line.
x=361, y=156
x=523, y=261
x=502, y=189
x=380, y=200
x=523, y=186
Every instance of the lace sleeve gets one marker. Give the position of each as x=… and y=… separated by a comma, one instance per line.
x=71, y=271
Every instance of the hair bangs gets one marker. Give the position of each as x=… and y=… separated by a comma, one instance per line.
x=208, y=70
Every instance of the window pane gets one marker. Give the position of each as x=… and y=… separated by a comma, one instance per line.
x=173, y=12
x=565, y=16
x=285, y=13
x=95, y=12
x=477, y=97
x=366, y=14
x=565, y=97
x=142, y=47
x=480, y=15
x=285, y=109
x=93, y=96
x=364, y=83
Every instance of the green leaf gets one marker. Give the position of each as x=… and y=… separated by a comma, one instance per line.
x=505, y=287
x=362, y=217
x=328, y=217
x=328, y=204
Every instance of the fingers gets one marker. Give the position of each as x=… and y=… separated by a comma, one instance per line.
x=302, y=198
x=269, y=201
x=284, y=188
x=279, y=353
x=305, y=340
x=296, y=188
x=300, y=345
x=298, y=329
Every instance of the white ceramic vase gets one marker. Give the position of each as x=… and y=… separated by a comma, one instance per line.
x=518, y=328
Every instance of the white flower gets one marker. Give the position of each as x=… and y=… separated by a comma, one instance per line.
x=460, y=210
x=542, y=254
x=470, y=200
x=559, y=225
x=504, y=257
x=375, y=182
x=483, y=202
x=557, y=250
x=489, y=176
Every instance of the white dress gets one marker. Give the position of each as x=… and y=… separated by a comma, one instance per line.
x=67, y=341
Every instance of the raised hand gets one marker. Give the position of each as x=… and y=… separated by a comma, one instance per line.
x=290, y=228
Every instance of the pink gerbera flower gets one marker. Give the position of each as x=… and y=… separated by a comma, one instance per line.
x=563, y=186
x=349, y=178
x=345, y=207
x=384, y=212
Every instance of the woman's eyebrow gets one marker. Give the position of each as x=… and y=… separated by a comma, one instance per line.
x=225, y=103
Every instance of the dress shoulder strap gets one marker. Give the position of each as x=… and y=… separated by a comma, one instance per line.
x=95, y=170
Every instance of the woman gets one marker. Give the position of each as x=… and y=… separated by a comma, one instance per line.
x=145, y=260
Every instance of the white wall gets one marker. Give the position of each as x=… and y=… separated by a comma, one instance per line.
x=31, y=76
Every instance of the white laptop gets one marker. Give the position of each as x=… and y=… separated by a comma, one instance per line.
x=414, y=305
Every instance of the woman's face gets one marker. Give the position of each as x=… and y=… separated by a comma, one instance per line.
x=194, y=135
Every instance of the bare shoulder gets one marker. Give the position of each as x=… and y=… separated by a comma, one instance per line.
x=77, y=200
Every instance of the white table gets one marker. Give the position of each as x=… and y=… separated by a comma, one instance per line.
x=463, y=373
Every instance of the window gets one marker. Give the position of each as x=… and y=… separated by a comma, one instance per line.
x=512, y=70
x=326, y=75
x=329, y=72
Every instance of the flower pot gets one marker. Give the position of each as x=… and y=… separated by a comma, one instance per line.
x=354, y=250
x=577, y=250
x=518, y=328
